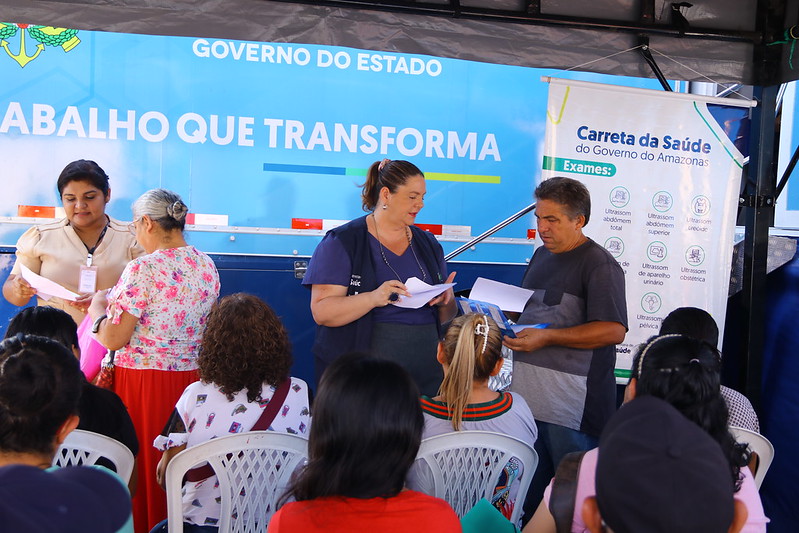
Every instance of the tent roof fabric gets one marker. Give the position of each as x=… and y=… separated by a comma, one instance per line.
x=724, y=41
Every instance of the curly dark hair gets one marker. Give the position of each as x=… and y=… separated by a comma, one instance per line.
x=244, y=346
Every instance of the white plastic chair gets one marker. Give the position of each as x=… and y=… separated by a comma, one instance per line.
x=758, y=444
x=466, y=466
x=86, y=448
x=253, y=469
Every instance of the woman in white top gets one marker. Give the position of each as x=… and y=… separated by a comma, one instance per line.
x=85, y=252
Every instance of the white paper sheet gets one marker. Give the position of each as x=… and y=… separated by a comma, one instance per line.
x=506, y=297
x=46, y=288
x=421, y=293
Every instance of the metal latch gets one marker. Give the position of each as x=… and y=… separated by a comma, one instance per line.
x=300, y=267
x=755, y=201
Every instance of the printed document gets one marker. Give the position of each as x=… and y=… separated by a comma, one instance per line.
x=45, y=288
x=506, y=297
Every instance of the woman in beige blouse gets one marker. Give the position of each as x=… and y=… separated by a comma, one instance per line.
x=85, y=252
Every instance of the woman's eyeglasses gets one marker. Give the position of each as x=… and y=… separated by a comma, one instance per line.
x=132, y=226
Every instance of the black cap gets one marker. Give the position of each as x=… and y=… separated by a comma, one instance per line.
x=657, y=471
x=62, y=500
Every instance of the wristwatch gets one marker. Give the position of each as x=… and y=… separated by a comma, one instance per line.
x=96, y=325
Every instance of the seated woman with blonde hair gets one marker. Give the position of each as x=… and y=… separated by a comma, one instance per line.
x=470, y=353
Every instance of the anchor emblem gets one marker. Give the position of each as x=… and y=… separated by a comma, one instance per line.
x=66, y=38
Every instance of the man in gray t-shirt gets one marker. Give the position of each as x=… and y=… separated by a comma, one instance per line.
x=565, y=372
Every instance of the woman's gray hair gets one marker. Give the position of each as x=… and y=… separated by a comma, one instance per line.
x=163, y=207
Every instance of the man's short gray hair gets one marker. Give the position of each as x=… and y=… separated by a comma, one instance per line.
x=570, y=193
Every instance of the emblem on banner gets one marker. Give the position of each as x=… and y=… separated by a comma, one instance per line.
x=66, y=38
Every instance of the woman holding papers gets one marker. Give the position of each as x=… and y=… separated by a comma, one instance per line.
x=359, y=270
x=84, y=252
x=154, y=318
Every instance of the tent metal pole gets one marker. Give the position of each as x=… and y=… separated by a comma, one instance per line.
x=788, y=171
x=759, y=213
x=643, y=40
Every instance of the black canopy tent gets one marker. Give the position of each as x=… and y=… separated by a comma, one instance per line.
x=747, y=42
x=726, y=41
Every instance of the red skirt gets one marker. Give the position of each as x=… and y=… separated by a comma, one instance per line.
x=150, y=396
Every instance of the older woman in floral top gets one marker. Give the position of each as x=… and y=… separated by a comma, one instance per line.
x=154, y=317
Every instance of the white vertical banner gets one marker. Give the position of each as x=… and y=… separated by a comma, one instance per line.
x=664, y=179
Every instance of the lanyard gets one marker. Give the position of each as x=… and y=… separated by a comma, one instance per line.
x=93, y=248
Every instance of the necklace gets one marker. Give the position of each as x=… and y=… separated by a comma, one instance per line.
x=410, y=245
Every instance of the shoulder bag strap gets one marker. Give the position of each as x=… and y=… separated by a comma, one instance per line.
x=264, y=421
x=564, y=491
x=273, y=407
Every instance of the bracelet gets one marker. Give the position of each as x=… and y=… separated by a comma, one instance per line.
x=96, y=325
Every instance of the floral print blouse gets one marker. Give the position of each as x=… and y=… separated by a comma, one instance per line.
x=171, y=292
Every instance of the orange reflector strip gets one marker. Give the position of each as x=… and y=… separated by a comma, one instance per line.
x=36, y=211
x=306, y=223
x=435, y=229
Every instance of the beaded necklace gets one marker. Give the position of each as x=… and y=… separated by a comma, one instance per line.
x=410, y=245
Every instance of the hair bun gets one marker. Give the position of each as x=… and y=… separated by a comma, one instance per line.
x=26, y=385
x=177, y=210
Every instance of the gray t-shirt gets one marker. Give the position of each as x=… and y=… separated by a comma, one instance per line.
x=571, y=387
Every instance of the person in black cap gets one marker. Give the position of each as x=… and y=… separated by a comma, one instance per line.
x=659, y=472
x=40, y=387
x=684, y=372
x=61, y=500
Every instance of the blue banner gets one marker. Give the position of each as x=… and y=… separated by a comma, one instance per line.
x=264, y=133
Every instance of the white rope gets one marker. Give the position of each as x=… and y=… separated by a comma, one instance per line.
x=711, y=80
x=603, y=58
x=662, y=55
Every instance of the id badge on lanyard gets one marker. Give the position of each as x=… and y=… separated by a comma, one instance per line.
x=88, y=273
x=88, y=276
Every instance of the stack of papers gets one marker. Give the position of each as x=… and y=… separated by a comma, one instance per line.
x=421, y=293
x=506, y=297
x=492, y=297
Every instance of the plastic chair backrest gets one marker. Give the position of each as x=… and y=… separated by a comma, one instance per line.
x=87, y=448
x=758, y=444
x=466, y=466
x=253, y=469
